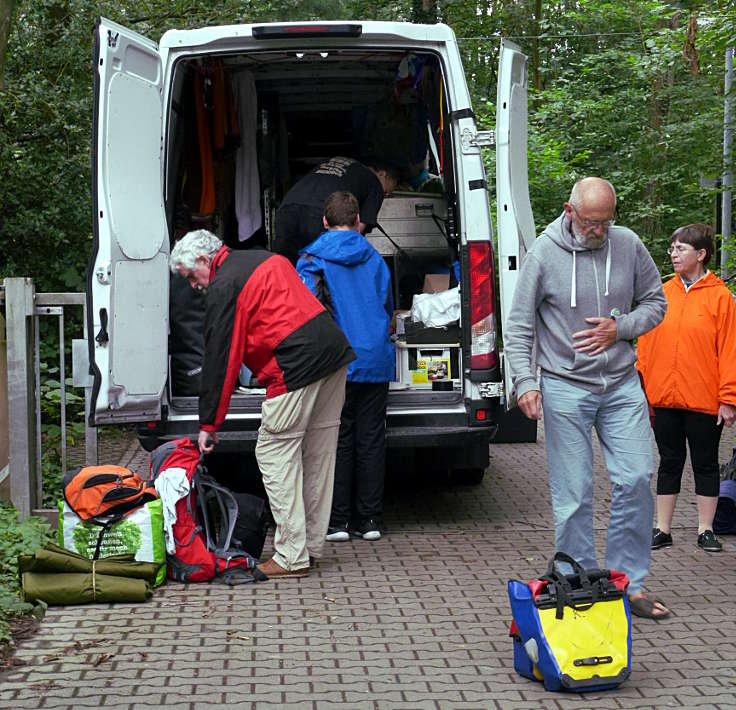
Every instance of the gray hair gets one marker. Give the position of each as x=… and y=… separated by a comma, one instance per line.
x=190, y=247
x=575, y=196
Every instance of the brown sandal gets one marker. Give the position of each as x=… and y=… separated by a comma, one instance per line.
x=644, y=607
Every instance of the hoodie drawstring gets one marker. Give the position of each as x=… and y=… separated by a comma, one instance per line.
x=573, y=284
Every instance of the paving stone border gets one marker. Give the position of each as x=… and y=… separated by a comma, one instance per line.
x=418, y=619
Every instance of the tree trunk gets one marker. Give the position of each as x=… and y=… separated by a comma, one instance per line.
x=536, y=74
x=423, y=11
x=6, y=12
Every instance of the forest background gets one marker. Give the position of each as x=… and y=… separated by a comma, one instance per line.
x=631, y=90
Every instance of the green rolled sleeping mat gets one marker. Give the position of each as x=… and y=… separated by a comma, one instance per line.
x=60, y=577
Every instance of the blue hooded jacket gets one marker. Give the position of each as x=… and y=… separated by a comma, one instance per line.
x=353, y=282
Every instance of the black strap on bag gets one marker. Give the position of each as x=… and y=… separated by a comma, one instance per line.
x=569, y=589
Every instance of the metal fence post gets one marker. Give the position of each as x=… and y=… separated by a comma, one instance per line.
x=4, y=471
x=19, y=314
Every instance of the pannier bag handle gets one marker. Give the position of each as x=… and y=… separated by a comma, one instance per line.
x=563, y=587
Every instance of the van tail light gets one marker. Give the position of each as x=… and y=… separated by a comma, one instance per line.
x=483, y=355
x=297, y=31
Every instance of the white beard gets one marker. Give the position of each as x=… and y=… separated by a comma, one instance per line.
x=589, y=241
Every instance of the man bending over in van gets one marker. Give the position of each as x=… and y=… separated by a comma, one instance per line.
x=258, y=312
x=299, y=218
x=353, y=282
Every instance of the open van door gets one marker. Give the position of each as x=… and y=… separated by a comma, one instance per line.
x=516, y=231
x=127, y=280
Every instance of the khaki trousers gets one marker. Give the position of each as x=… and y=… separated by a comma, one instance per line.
x=296, y=448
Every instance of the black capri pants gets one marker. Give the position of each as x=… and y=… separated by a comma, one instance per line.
x=674, y=427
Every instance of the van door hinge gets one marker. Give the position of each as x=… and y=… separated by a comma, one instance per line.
x=103, y=274
x=469, y=139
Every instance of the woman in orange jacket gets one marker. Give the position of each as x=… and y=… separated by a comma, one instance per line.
x=688, y=363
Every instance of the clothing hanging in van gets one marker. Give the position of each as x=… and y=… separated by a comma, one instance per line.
x=247, y=182
x=202, y=85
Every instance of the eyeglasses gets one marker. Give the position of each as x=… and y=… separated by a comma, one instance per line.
x=681, y=249
x=592, y=223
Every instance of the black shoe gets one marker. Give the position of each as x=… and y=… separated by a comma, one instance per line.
x=709, y=542
x=337, y=533
x=368, y=530
x=662, y=539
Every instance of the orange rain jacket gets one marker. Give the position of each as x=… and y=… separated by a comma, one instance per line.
x=689, y=360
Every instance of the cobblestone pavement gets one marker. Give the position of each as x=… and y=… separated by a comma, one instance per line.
x=418, y=619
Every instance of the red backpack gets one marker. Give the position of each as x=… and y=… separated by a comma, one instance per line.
x=194, y=559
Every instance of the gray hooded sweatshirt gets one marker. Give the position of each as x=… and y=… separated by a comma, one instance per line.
x=561, y=283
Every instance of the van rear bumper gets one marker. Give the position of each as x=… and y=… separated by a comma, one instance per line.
x=424, y=437
x=419, y=432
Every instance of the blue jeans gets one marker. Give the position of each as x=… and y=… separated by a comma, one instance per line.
x=621, y=420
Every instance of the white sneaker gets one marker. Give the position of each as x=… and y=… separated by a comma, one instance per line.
x=338, y=534
x=368, y=530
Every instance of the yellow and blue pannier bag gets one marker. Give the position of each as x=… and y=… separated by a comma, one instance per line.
x=572, y=632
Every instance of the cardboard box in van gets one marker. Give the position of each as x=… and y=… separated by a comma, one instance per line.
x=435, y=283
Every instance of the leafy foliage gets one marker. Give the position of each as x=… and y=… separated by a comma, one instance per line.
x=16, y=538
x=631, y=90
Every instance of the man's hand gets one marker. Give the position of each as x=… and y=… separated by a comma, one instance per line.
x=207, y=441
x=531, y=404
x=595, y=340
x=726, y=414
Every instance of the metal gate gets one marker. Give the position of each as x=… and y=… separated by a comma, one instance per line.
x=23, y=310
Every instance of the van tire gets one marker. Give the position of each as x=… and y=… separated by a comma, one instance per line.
x=467, y=476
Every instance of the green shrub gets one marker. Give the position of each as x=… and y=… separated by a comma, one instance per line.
x=16, y=538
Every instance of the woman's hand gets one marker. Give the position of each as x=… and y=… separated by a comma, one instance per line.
x=726, y=414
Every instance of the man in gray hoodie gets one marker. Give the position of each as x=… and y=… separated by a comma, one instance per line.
x=586, y=290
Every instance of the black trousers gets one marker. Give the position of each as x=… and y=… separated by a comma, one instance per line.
x=672, y=429
x=296, y=227
x=361, y=454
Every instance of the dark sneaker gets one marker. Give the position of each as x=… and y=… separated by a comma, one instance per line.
x=709, y=542
x=660, y=539
x=368, y=530
x=337, y=533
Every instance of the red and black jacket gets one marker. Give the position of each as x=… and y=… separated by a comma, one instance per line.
x=259, y=312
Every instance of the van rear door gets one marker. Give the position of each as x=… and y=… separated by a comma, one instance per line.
x=516, y=231
x=127, y=281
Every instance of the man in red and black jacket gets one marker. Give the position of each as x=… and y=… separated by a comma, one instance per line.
x=258, y=312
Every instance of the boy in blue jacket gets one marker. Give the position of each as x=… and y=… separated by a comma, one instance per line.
x=352, y=281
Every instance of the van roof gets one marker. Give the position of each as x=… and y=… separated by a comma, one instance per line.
x=371, y=30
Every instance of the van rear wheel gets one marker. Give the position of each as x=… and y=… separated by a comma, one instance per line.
x=467, y=476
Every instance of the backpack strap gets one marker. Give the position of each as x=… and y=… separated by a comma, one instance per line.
x=210, y=492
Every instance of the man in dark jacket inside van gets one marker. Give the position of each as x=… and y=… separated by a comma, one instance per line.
x=353, y=282
x=258, y=312
x=299, y=218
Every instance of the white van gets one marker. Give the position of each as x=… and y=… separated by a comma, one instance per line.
x=211, y=126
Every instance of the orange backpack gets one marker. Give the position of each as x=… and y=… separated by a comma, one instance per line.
x=106, y=491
